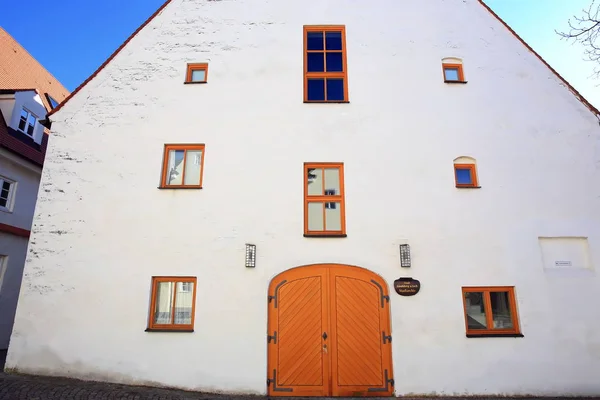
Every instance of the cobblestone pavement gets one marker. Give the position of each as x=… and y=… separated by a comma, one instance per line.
x=21, y=387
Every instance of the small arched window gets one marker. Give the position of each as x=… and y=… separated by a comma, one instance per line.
x=453, y=70
x=465, y=172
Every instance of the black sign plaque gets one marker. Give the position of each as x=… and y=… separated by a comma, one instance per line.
x=407, y=286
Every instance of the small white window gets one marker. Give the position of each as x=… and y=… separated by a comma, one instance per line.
x=27, y=122
x=3, y=262
x=7, y=189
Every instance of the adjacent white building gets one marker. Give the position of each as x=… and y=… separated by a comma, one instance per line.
x=27, y=93
x=234, y=199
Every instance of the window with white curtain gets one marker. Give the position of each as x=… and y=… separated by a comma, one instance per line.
x=173, y=300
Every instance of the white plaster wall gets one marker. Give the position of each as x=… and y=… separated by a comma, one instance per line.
x=7, y=103
x=31, y=101
x=103, y=228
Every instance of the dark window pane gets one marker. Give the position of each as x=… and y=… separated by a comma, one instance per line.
x=4, y=194
x=314, y=40
x=335, y=89
x=501, y=310
x=30, y=130
x=475, y=309
x=333, y=40
x=334, y=62
x=22, y=124
x=316, y=62
x=6, y=186
x=316, y=89
x=3, y=202
x=463, y=176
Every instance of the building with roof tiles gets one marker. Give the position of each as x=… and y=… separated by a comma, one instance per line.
x=27, y=93
x=319, y=198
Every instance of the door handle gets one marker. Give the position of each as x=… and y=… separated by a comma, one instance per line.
x=324, y=335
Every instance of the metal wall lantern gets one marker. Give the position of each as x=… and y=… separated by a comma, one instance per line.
x=250, y=255
x=405, y=255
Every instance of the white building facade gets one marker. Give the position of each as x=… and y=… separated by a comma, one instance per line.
x=244, y=234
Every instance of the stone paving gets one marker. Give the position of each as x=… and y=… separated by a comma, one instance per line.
x=22, y=387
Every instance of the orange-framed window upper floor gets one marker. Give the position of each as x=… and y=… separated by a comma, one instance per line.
x=490, y=311
x=196, y=73
x=183, y=166
x=172, y=304
x=325, y=64
x=324, y=202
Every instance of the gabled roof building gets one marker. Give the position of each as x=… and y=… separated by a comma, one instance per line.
x=317, y=198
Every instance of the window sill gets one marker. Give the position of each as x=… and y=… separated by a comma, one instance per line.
x=334, y=235
x=24, y=133
x=6, y=210
x=460, y=82
x=179, y=187
x=194, y=83
x=169, y=330
x=325, y=102
x=483, y=335
x=468, y=187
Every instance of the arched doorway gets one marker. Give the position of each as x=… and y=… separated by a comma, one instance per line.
x=329, y=333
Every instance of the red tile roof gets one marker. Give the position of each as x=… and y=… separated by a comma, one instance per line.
x=19, y=70
x=567, y=84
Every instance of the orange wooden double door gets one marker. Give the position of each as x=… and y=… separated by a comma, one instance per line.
x=329, y=333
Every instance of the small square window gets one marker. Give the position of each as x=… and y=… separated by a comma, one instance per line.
x=197, y=73
x=183, y=166
x=7, y=188
x=490, y=311
x=172, y=303
x=465, y=175
x=453, y=73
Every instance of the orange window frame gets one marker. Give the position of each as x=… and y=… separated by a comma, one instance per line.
x=172, y=326
x=324, y=74
x=486, y=290
x=196, y=67
x=459, y=67
x=471, y=167
x=185, y=147
x=325, y=199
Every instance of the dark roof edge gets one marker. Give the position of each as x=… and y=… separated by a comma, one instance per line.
x=569, y=86
x=13, y=91
x=109, y=59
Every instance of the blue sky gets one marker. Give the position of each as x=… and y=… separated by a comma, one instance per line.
x=79, y=35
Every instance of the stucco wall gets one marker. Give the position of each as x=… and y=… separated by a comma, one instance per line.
x=102, y=227
x=27, y=179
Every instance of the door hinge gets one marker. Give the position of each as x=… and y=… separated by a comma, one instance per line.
x=386, y=338
x=384, y=298
x=275, y=388
x=274, y=338
x=388, y=382
x=274, y=297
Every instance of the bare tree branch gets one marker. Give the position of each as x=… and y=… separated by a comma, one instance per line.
x=585, y=29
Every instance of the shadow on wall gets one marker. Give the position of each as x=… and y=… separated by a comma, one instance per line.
x=2, y=359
